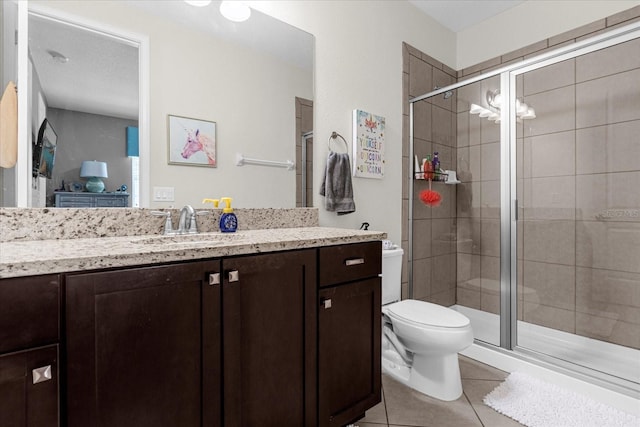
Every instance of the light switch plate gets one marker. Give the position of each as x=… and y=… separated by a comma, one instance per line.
x=163, y=194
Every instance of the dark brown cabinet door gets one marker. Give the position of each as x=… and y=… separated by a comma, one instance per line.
x=269, y=333
x=23, y=403
x=349, y=351
x=143, y=347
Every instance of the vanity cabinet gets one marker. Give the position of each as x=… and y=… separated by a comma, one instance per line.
x=349, y=324
x=29, y=336
x=269, y=339
x=143, y=347
x=160, y=346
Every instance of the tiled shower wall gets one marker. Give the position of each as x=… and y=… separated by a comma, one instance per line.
x=434, y=229
x=580, y=175
x=577, y=263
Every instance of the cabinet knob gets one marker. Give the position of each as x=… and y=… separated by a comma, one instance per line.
x=214, y=278
x=354, y=261
x=234, y=276
x=42, y=374
x=326, y=303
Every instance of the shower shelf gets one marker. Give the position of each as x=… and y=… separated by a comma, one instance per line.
x=437, y=176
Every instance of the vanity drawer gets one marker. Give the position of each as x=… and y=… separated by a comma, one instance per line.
x=345, y=263
x=29, y=312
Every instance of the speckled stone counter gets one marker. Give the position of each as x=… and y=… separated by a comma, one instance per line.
x=33, y=257
x=61, y=223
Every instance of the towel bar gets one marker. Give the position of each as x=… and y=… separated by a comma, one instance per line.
x=241, y=161
x=336, y=135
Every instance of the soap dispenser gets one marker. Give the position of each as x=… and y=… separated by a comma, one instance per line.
x=228, y=220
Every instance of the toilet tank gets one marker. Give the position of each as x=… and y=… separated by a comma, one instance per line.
x=391, y=275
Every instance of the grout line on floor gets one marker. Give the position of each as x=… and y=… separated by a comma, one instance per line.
x=472, y=407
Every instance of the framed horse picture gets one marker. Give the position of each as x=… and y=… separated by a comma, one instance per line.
x=192, y=142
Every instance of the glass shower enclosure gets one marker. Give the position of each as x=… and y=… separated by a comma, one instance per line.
x=539, y=242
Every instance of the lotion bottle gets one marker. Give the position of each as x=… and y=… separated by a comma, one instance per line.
x=228, y=220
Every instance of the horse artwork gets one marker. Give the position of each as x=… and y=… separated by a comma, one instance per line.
x=197, y=141
x=192, y=142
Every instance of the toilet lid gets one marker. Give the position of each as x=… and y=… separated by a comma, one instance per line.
x=427, y=313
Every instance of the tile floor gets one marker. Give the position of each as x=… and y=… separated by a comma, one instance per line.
x=401, y=406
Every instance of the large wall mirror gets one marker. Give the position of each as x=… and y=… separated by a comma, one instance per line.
x=253, y=80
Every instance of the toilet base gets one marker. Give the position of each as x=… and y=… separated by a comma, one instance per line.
x=437, y=376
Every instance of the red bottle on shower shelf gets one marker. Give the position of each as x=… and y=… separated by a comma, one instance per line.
x=428, y=168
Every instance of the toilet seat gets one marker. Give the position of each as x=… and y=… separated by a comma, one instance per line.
x=426, y=314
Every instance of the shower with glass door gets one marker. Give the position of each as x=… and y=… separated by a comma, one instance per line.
x=539, y=242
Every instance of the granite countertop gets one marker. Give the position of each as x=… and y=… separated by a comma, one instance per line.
x=27, y=258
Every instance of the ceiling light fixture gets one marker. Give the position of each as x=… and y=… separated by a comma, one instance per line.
x=198, y=3
x=236, y=11
x=494, y=99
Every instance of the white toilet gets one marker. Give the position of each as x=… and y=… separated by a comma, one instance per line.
x=420, y=340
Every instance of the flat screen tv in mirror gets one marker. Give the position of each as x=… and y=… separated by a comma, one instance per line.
x=44, y=150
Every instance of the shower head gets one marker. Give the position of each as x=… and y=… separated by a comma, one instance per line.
x=447, y=94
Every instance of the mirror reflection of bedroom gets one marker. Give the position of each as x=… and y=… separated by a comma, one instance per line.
x=84, y=116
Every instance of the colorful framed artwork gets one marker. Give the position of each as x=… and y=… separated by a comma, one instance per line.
x=192, y=142
x=368, y=145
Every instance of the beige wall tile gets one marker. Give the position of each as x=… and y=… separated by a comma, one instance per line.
x=608, y=293
x=490, y=303
x=623, y=16
x=609, y=245
x=555, y=111
x=550, y=241
x=490, y=199
x=421, y=238
x=608, y=100
x=550, y=198
x=422, y=278
x=490, y=131
x=443, y=273
x=610, y=196
x=420, y=77
x=467, y=95
x=475, y=160
x=549, y=155
x=550, y=284
x=422, y=120
x=443, y=235
x=490, y=237
x=445, y=298
x=490, y=162
x=442, y=79
x=610, y=148
x=578, y=32
x=490, y=275
x=468, y=271
x=462, y=134
x=474, y=131
x=550, y=77
x=468, y=199
x=550, y=317
x=527, y=50
x=441, y=122
x=468, y=298
x=605, y=62
x=608, y=330
x=468, y=235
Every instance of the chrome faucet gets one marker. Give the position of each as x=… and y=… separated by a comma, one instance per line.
x=186, y=223
x=187, y=214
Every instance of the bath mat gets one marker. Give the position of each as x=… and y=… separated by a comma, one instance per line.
x=536, y=403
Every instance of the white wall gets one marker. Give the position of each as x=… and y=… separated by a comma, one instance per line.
x=359, y=65
x=528, y=23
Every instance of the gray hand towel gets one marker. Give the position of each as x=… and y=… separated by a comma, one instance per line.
x=336, y=184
